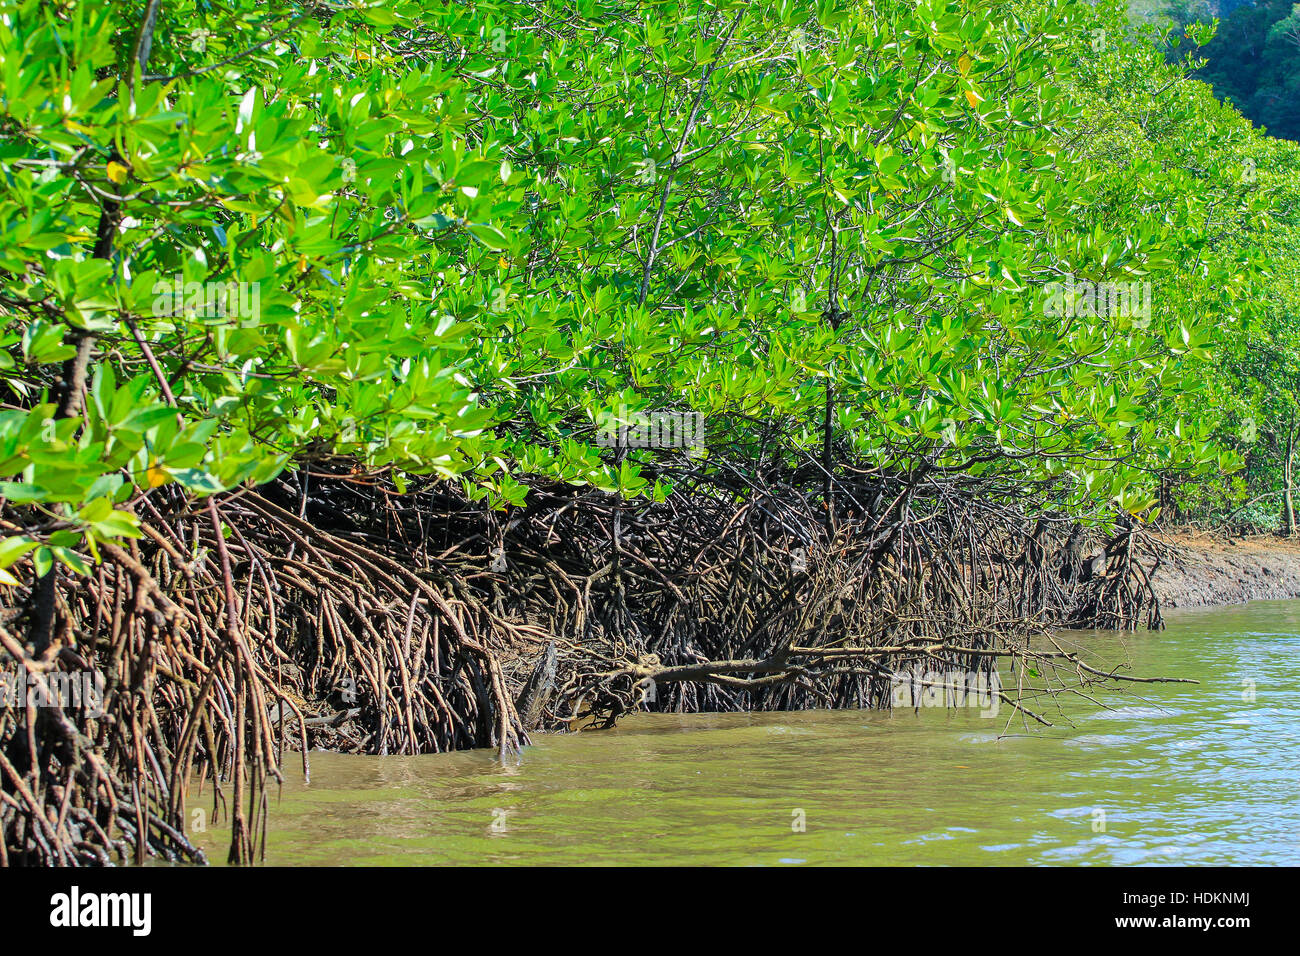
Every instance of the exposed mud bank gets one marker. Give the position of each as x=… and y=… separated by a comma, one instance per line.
x=1205, y=570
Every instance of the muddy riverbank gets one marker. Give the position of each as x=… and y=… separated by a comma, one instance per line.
x=1199, y=569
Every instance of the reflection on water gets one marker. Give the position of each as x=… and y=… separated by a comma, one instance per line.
x=1172, y=774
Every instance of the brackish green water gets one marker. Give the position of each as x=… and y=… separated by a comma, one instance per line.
x=1182, y=773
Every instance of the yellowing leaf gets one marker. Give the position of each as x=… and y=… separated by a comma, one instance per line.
x=156, y=476
x=117, y=172
x=973, y=98
x=964, y=64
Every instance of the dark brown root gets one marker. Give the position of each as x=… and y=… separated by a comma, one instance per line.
x=357, y=619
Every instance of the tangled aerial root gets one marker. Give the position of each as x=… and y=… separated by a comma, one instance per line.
x=354, y=618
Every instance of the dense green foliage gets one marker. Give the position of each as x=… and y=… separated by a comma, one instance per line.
x=458, y=239
x=1247, y=394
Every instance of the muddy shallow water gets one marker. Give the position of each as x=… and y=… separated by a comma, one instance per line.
x=1169, y=774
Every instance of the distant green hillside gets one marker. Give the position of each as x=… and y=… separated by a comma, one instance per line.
x=1253, y=62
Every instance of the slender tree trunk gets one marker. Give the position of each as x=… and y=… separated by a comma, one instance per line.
x=828, y=422
x=1288, y=475
x=71, y=385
